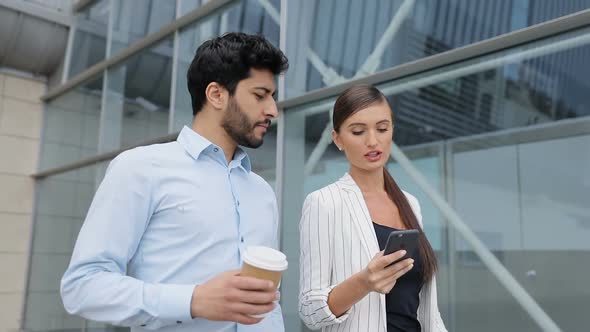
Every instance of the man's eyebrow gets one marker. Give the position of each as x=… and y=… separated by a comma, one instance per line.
x=267, y=90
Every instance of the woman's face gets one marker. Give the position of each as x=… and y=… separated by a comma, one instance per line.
x=365, y=137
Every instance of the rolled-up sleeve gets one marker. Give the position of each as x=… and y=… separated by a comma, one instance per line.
x=316, y=243
x=95, y=285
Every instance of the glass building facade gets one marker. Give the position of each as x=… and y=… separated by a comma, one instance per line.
x=491, y=110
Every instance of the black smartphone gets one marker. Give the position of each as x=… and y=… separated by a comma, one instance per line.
x=398, y=240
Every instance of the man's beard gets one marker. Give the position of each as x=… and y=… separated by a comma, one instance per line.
x=239, y=127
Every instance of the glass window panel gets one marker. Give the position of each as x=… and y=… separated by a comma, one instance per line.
x=71, y=126
x=90, y=36
x=247, y=16
x=563, y=203
x=264, y=158
x=135, y=19
x=62, y=203
x=431, y=216
x=538, y=83
x=340, y=40
x=138, y=98
x=537, y=226
x=186, y=6
x=498, y=228
x=479, y=297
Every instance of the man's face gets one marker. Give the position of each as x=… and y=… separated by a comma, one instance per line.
x=251, y=108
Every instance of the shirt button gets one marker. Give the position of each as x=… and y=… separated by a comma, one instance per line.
x=143, y=325
x=242, y=239
x=178, y=322
x=216, y=149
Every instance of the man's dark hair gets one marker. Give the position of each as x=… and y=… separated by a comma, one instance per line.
x=227, y=60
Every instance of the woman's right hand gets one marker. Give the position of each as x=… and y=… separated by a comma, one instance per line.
x=377, y=277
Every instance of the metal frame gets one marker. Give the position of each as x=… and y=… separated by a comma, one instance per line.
x=105, y=73
x=68, y=55
x=448, y=170
x=210, y=8
x=547, y=131
x=32, y=223
x=174, y=78
x=281, y=95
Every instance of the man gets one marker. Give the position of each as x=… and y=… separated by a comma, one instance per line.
x=161, y=245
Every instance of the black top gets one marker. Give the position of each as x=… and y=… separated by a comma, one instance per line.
x=402, y=301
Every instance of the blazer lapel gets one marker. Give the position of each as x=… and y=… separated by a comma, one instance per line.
x=361, y=218
x=355, y=202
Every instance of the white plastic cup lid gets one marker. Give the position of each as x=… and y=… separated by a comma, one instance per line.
x=265, y=258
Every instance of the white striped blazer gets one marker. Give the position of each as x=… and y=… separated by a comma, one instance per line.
x=338, y=240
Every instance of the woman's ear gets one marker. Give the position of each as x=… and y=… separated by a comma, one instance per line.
x=336, y=139
x=216, y=95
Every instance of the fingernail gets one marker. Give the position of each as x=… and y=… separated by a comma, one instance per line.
x=411, y=261
x=277, y=296
x=403, y=252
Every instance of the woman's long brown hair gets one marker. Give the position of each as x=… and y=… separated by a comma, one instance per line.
x=348, y=103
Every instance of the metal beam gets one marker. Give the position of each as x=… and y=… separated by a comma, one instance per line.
x=38, y=11
x=100, y=158
x=374, y=59
x=271, y=11
x=329, y=75
x=319, y=149
x=80, y=5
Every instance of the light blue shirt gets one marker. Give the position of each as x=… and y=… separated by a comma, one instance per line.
x=165, y=218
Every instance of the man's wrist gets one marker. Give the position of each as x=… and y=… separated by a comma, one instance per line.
x=194, y=303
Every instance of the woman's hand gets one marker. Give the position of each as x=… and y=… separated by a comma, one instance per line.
x=379, y=277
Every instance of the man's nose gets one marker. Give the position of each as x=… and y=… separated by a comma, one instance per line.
x=271, y=111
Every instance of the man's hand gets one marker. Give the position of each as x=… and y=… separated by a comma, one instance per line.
x=231, y=297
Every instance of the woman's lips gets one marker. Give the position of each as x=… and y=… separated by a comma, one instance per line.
x=374, y=155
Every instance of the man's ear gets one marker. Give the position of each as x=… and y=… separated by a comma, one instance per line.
x=216, y=95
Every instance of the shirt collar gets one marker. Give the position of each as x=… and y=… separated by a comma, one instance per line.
x=195, y=144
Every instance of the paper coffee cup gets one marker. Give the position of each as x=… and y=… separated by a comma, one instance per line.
x=264, y=263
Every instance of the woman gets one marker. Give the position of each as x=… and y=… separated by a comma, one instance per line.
x=346, y=282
